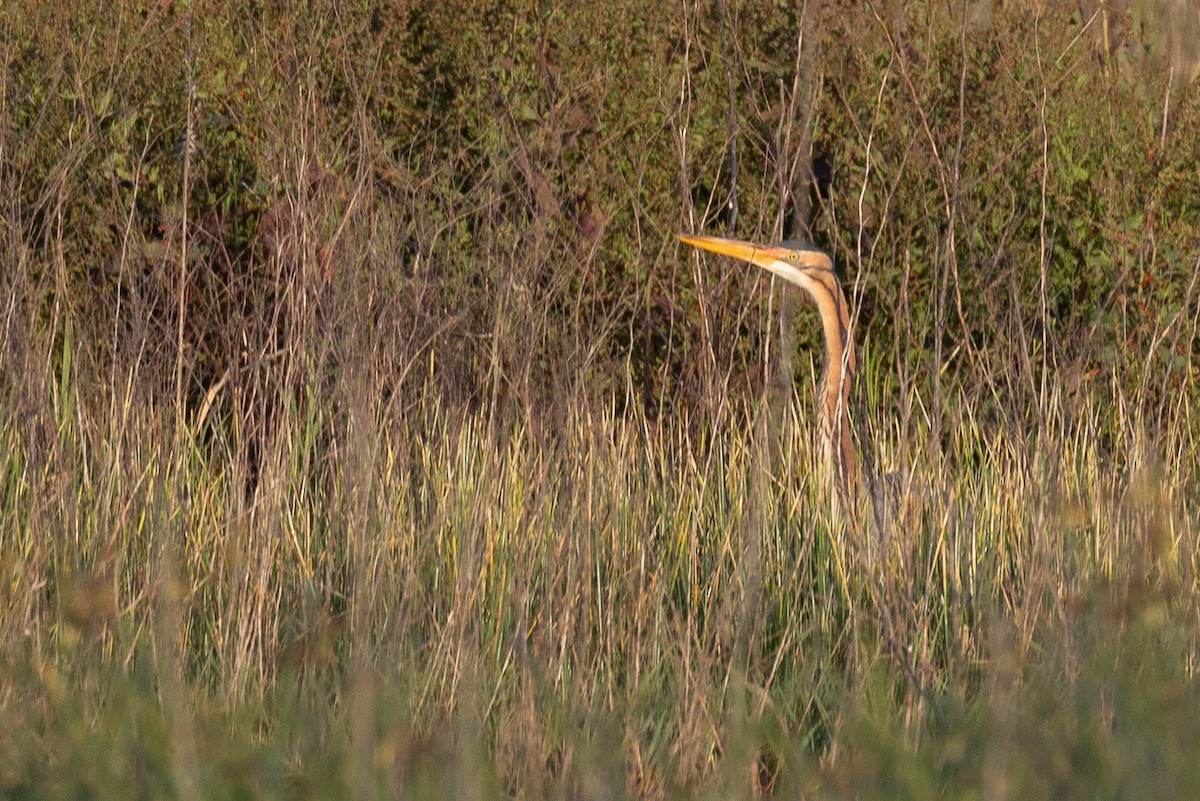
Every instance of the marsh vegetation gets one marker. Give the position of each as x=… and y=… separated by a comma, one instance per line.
x=365, y=433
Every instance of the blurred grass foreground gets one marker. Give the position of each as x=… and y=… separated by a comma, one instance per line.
x=365, y=433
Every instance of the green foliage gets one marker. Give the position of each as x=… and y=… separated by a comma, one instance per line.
x=522, y=170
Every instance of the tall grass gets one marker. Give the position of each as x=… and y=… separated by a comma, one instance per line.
x=604, y=606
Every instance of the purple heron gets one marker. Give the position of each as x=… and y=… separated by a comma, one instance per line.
x=808, y=268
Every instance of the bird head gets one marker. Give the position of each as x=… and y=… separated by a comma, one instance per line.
x=795, y=262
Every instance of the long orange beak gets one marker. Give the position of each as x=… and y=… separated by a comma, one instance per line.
x=762, y=255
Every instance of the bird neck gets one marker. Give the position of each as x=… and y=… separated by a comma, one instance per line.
x=834, y=392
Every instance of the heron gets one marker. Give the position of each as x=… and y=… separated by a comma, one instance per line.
x=807, y=267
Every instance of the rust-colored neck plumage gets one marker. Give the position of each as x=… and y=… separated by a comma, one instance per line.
x=834, y=392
